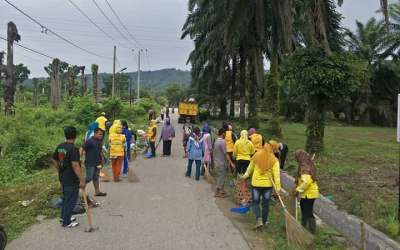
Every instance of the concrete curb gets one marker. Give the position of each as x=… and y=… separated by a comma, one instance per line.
x=357, y=231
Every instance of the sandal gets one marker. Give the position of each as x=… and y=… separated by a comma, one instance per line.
x=101, y=194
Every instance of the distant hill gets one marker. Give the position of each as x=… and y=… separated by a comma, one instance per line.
x=157, y=79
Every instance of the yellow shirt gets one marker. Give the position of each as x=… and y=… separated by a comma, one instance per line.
x=101, y=120
x=117, y=145
x=229, y=141
x=243, y=150
x=151, y=134
x=256, y=139
x=264, y=179
x=307, y=187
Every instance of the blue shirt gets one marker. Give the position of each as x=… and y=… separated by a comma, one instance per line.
x=195, y=149
x=128, y=136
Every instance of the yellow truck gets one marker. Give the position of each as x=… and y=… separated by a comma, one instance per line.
x=188, y=109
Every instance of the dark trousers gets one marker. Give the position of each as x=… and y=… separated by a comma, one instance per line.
x=153, y=148
x=189, y=168
x=162, y=117
x=307, y=208
x=70, y=197
x=167, y=147
x=241, y=166
x=264, y=194
x=283, y=155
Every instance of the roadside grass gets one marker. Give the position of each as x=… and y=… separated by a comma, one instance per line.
x=40, y=187
x=358, y=169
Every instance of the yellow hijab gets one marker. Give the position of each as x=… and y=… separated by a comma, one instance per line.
x=275, y=145
x=116, y=128
x=265, y=159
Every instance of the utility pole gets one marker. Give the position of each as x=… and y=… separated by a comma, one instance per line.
x=138, y=78
x=130, y=91
x=113, y=80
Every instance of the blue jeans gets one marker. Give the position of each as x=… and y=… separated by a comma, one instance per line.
x=126, y=162
x=189, y=168
x=257, y=194
x=70, y=197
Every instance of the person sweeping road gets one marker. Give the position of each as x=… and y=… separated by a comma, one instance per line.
x=243, y=150
x=263, y=167
x=151, y=137
x=221, y=161
x=307, y=188
x=93, y=149
x=117, y=150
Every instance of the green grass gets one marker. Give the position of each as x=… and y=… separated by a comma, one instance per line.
x=40, y=187
x=358, y=169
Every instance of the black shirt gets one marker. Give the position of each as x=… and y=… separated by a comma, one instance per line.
x=93, y=149
x=65, y=154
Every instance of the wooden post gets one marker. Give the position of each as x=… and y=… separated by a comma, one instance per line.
x=362, y=229
x=10, y=83
x=3, y=69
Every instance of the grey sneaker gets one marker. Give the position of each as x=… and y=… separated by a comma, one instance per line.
x=259, y=224
x=73, y=219
x=72, y=225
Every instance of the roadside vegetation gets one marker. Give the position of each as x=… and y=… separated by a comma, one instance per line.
x=27, y=143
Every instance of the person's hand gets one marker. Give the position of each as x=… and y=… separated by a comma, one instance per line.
x=232, y=165
x=82, y=184
x=242, y=177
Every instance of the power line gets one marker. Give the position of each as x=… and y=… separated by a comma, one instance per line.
x=93, y=22
x=109, y=20
x=29, y=49
x=122, y=24
x=46, y=29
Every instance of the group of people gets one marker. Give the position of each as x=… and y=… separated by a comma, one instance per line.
x=68, y=159
x=250, y=156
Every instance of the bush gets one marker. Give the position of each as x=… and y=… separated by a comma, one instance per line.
x=112, y=107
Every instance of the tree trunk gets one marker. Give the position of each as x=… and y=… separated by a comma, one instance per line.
x=10, y=82
x=54, y=84
x=253, y=85
x=315, y=125
x=222, y=105
x=71, y=82
x=233, y=87
x=273, y=84
x=83, y=81
x=95, y=70
x=242, y=87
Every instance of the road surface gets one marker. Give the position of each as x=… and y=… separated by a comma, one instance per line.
x=164, y=210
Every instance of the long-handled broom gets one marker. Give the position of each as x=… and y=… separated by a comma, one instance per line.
x=207, y=174
x=88, y=213
x=132, y=177
x=296, y=234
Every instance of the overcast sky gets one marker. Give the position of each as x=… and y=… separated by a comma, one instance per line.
x=155, y=24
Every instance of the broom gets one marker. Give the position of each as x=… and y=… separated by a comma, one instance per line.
x=132, y=177
x=105, y=177
x=88, y=213
x=296, y=234
x=207, y=174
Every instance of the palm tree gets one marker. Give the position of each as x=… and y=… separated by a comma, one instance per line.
x=391, y=41
x=366, y=42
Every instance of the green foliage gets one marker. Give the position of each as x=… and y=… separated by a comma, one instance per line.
x=175, y=92
x=112, y=107
x=84, y=108
x=333, y=78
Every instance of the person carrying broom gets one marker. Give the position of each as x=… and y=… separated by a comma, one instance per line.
x=264, y=168
x=307, y=188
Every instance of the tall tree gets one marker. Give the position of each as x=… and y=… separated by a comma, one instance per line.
x=55, y=85
x=10, y=82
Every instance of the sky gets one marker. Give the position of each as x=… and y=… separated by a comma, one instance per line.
x=155, y=26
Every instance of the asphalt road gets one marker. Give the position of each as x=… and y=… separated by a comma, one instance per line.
x=164, y=210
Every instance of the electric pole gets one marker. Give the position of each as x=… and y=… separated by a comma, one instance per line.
x=113, y=79
x=138, y=78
